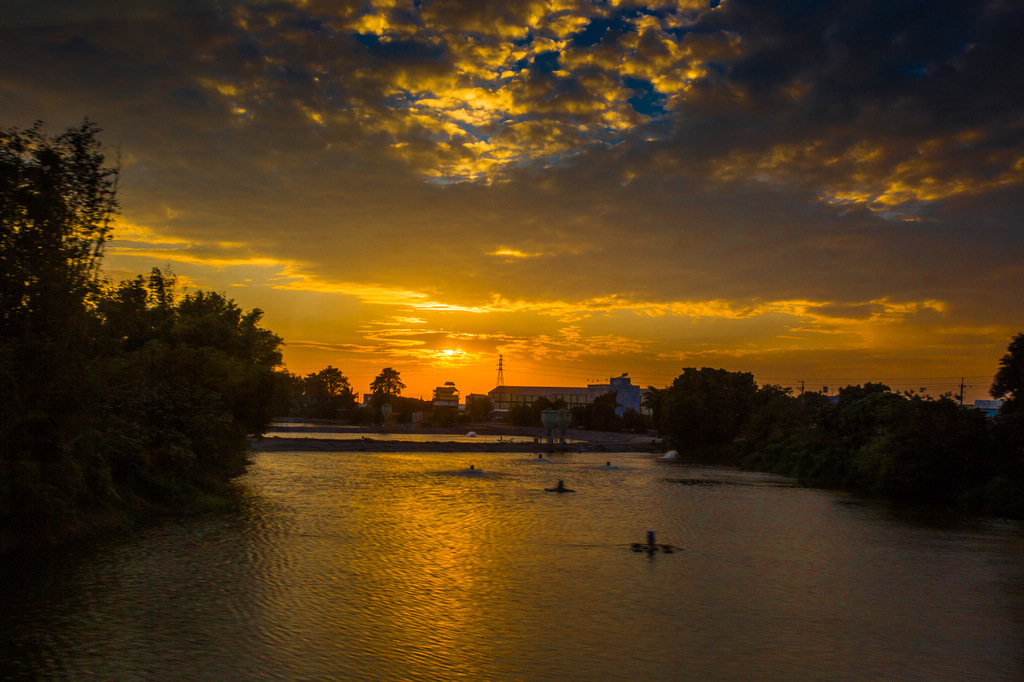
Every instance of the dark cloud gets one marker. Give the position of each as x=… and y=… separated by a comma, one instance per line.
x=803, y=160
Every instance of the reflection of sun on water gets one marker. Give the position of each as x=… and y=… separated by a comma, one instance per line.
x=441, y=583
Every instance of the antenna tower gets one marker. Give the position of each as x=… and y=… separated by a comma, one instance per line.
x=501, y=371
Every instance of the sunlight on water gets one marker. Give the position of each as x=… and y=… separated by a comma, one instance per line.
x=416, y=566
x=403, y=437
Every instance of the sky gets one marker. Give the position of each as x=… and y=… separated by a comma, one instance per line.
x=821, y=193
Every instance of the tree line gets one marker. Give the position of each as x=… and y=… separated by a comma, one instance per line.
x=119, y=399
x=900, y=446
x=328, y=394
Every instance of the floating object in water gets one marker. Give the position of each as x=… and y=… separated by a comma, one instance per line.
x=651, y=546
x=671, y=454
x=472, y=466
x=471, y=434
x=560, y=488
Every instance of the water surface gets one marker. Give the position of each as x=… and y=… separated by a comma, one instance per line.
x=414, y=566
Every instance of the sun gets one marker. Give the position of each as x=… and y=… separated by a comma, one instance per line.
x=450, y=356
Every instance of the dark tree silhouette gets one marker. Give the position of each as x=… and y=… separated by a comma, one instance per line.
x=1008, y=383
x=387, y=384
x=115, y=399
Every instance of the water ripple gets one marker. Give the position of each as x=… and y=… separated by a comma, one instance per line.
x=414, y=566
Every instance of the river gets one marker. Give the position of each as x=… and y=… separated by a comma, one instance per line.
x=414, y=566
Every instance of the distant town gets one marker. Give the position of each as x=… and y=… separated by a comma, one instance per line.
x=627, y=396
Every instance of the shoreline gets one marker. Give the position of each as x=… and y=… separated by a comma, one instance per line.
x=284, y=444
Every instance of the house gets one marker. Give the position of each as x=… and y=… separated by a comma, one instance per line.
x=446, y=396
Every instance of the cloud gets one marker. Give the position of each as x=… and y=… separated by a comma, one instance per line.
x=649, y=175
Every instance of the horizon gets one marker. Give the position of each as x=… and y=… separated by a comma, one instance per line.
x=831, y=195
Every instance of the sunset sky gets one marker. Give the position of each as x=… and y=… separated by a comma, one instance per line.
x=827, y=192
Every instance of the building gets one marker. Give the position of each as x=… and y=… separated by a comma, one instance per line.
x=628, y=395
x=446, y=396
x=989, y=407
x=504, y=397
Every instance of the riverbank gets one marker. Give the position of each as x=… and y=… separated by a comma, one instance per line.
x=368, y=444
x=374, y=440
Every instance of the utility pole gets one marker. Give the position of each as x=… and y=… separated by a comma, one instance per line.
x=801, y=387
x=961, y=391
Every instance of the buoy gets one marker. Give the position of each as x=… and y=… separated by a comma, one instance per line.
x=560, y=488
x=651, y=547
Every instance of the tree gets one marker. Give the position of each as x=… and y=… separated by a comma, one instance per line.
x=192, y=381
x=327, y=394
x=479, y=408
x=114, y=398
x=634, y=422
x=386, y=388
x=776, y=414
x=1008, y=383
x=520, y=414
x=599, y=414
x=387, y=384
x=706, y=407
x=57, y=198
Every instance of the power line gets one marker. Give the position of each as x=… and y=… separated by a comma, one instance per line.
x=570, y=374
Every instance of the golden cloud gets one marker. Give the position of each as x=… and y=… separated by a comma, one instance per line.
x=870, y=173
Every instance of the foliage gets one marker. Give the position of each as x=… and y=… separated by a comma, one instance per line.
x=1008, y=384
x=116, y=398
x=326, y=394
x=634, y=422
x=443, y=416
x=522, y=415
x=479, y=408
x=705, y=408
x=898, y=446
x=387, y=383
x=402, y=410
x=1009, y=380
x=56, y=203
x=599, y=414
x=387, y=387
